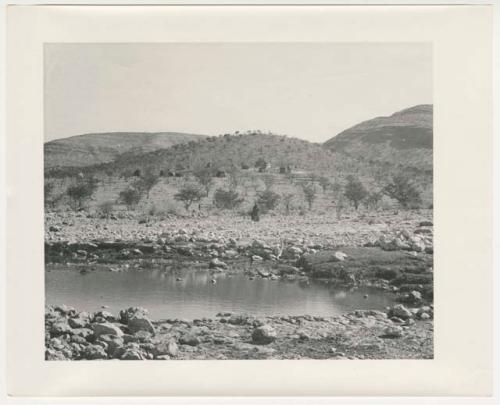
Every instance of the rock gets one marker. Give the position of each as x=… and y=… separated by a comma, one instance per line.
x=139, y=323
x=400, y=311
x=54, y=228
x=256, y=258
x=425, y=223
x=189, y=339
x=132, y=355
x=217, y=264
x=131, y=312
x=167, y=347
x=108, y=316
x=425, y=316
x=77, y=323
x=106, y=329
x=230, y=253
x=393, y=332
x=264, y=334
x=95, y=352
x=416, y=296
x=60, y=328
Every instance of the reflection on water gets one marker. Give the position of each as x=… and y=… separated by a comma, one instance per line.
x=200, y=294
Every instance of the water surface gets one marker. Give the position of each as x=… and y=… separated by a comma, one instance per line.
x=195, y=296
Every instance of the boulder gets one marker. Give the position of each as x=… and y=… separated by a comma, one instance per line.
x=189, y=339
x=95, y=352
x=60, y=328
x=400, y=311
x=264, y=335
x=166, y=347
x=131, y=312
x=393, y=332
x=106, y=328
x=77, y=323
x=132, y=355
x=140, y=323
x=217, y=264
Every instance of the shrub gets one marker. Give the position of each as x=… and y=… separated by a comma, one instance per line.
x=268, y=200
x=81, y=191
x=106, y=208
x=227, y=199
x=130, y=197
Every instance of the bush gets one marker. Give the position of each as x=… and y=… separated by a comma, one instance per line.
x=106, y=208
x=82, y=191
x=130, y=197
x=227, y=199
x=268, y=200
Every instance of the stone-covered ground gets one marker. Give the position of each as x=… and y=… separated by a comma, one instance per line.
x=391, y=251
x=399, y=333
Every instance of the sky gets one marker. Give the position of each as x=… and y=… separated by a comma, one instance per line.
x=311, y=91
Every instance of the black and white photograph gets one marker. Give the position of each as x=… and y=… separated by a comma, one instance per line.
x=233, y=201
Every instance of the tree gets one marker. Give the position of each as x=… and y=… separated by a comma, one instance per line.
x=324, y=183
x=309, y=193
x=130, y=197
x=261, y=164
x=355, y=192
x=226, y=199
x=189, y=194
x=145, y=184
x=404, y=191
x=268, y=200
x=81, y=191
x=204, y=176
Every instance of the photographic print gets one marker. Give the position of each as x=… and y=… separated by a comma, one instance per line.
x=216, y=201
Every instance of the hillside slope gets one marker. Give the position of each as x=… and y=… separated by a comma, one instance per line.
x=404, y=138
x=224, y=153
x=91, y=149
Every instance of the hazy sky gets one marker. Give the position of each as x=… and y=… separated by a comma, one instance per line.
x=307, y=90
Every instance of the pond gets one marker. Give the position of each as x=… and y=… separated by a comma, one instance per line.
x=196, y=296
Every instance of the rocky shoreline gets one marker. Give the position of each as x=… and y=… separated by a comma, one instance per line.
x=398, y=333
x=395, y=255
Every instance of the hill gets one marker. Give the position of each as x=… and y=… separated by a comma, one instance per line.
x=404, y=139
x=91, y=149
x=223, y=153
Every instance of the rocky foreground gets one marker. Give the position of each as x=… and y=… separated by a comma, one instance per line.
x=392, y=252
x=399, y=333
